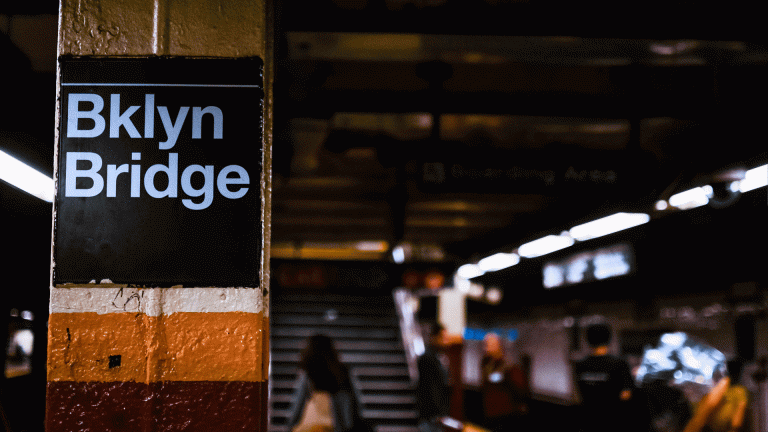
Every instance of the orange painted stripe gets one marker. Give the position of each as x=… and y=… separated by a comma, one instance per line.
x=212, y=346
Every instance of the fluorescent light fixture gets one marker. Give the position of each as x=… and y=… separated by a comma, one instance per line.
x=25, y=177
x=754, y=178
x=372, y=246
x=545, y=245
x=498, y=261
x=476, y=290
x=608, y=225
x=469, y=271
x=691, y=198
x=461, y=284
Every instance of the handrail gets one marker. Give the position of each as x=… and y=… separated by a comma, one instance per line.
x=413, y=343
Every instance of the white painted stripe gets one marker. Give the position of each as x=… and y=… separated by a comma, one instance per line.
x=159, y=85
x=155, y=301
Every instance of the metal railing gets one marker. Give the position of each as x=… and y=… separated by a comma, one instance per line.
x=410, y=331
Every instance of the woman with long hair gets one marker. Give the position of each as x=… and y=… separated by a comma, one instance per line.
x=327, y=401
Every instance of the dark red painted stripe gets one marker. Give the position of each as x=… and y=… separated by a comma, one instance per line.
x=194, y=406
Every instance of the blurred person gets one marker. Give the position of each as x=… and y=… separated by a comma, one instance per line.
x=668, y=409
x=725, y=407
x=504, y=389
x=432, y=393
x=605, y=384
x=327, y=401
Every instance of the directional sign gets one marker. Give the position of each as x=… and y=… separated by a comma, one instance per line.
x=159, y=172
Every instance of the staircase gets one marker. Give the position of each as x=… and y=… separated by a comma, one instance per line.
x=366, y=334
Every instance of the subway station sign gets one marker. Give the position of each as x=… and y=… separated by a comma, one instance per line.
x=159, y=168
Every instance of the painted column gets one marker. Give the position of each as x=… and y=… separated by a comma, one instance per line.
x=169, y=329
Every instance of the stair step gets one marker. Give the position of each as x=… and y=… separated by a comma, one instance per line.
x=364, y=386
x=379, y=371
x=365, y=331
x=298, y=344
x=293, y=357
x=331, y=299
x=335, y=333
x=341, y=321
x=284, y=369
x=290, y=373
x=281, y=413
x=387, y=399
x=389, y=414
x=392, y=429
x=281, y=398
x=321, y=309
x=364, y=399
x=283, y=384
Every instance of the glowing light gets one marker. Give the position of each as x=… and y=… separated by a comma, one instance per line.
x=452, y=423
x=461, y=284
x=553, y=276
x=495, y=377
x=608, y=225
x=673, y=339
x=476, y=290
x=25, y=177
x=576, y=270
x=691, y=198
x=661, y=205
x=545, y=245
x=498, y=261
x=754, y=178
x=418, y=346
x=610, y=265
x=469, y=271
x=24, y=339
x=493, y=295
x=689, y=359
x=371, y=246
x=398, y=254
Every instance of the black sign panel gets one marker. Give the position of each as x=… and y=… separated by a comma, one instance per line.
x=159, y=168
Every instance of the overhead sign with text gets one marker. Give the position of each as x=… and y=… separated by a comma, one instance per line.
x=159, y=172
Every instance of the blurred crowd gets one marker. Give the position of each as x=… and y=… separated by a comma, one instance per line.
x=610, y=397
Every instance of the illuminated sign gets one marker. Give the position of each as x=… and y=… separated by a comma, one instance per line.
x=479, y=334
x=158, y=171
x=589, y=266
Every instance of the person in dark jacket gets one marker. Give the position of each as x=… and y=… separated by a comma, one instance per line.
x=327, y=400
x=432, y=393
x=505, y=389
x=605, y=384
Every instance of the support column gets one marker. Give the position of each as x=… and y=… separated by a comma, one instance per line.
x=159, y=315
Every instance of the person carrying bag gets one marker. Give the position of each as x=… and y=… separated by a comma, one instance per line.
x=327, y=401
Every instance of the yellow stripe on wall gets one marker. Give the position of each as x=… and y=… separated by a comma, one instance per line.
x=182, y=346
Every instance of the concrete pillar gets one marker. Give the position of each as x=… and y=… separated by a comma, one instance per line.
x=133, y=355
